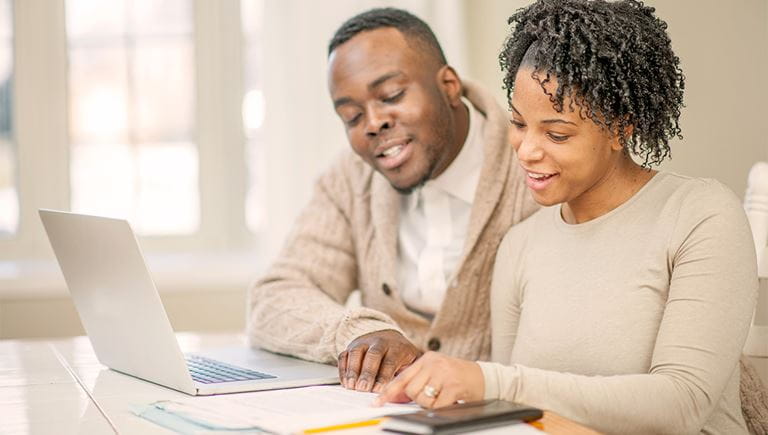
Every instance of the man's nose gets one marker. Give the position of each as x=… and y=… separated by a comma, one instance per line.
x=377, y=121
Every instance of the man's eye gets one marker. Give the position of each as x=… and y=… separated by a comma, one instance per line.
x=352, y=121
x=394, y=98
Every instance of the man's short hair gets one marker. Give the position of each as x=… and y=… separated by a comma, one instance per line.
x=412, y=27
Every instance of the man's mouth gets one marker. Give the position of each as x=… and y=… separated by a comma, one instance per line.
x=393, y=153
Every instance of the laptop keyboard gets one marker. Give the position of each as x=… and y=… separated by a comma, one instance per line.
x=208, y=371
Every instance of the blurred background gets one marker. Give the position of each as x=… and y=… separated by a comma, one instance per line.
x=206, y=122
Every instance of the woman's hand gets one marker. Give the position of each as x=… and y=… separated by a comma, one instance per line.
x=436, y=380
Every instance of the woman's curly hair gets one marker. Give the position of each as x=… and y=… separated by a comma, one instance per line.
x=614, y=60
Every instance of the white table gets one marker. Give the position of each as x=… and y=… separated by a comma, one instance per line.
x=38, y=395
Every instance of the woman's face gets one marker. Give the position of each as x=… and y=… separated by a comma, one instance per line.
x=567, y=159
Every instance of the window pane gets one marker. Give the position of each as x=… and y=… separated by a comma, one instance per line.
x=133, y=182
x=132, y=111
x=168, y=205
x=165, y=17
x=105, y=172
x=251, y=13
x=9, y=201
x=98, y=94
x=96, y=19
x=163, y=80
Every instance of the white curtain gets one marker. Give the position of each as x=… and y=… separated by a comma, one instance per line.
x=302, y=133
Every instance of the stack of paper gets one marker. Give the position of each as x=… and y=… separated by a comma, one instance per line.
x=280, y=411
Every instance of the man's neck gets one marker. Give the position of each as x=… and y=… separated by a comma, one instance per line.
x=461, y=131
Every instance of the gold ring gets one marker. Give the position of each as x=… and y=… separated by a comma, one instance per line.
x=430, y=391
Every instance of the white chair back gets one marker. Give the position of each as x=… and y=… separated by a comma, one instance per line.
x=756, y=206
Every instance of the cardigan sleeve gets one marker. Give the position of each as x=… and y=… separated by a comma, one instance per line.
x=297, y=307
x=711, y=298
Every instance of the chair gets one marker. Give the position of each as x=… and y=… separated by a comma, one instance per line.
x=754, y=396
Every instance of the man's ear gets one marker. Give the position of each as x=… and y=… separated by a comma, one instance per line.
x=450, y=83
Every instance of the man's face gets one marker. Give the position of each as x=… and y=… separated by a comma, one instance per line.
x=397, y=116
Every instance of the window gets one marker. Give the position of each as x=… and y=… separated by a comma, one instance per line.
x=128, y=108
x=9, y=203
x=132, y=111
x=251, y=12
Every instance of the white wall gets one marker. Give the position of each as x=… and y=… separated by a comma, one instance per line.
x=723, y=48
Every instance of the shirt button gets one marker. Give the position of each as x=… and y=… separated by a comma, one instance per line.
x=433, y=344
x=385, y=288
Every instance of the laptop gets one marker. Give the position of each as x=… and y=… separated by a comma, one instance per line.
x=126, y=322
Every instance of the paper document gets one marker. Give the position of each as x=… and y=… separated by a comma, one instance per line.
x=280, y=411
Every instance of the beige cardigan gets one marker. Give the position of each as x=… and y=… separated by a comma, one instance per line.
x=346, y=239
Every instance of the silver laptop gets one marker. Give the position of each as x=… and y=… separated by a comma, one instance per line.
x=125, y=320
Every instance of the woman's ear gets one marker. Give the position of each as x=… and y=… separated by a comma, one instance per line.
x=450, y=83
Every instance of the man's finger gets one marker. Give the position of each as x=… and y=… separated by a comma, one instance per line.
x=354, y=363
x=370, y=368
x=389, y=365
x=342, y=366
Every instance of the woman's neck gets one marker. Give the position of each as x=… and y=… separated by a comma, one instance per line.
x=620, y=184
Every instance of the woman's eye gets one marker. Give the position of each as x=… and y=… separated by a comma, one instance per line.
x=558, y=137
x=394, y=98
x=517, y=124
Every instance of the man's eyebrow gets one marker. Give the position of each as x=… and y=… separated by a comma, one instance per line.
x=372, y=85
x=546, y=121
x=341, y=101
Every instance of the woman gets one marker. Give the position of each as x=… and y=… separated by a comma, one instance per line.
x=625, y=303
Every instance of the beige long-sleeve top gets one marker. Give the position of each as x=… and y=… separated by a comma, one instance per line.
x=346, y=239
x=632, y=322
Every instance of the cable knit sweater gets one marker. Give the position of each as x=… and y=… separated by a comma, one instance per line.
x=346, y=239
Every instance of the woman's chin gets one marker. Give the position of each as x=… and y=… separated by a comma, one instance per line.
x=545, y=200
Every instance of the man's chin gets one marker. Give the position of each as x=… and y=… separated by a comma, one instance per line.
x=408, y=188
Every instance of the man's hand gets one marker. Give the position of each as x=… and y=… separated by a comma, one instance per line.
x=372, y=360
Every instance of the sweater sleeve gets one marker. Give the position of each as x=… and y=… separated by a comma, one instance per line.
x=505, y=309
x=297, y=307
x=711, y=298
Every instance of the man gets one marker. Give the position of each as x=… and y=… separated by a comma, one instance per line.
x=412, y=218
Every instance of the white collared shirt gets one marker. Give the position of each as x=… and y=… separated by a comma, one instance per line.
x=434, y=221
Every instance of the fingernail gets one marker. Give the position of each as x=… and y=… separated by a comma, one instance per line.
x=377, y=387
x=362, y=385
